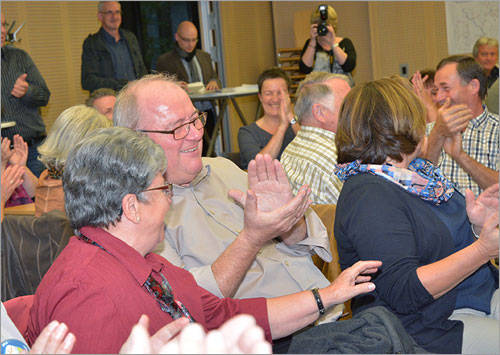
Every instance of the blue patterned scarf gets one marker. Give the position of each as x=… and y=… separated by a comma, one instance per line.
x=421, y=179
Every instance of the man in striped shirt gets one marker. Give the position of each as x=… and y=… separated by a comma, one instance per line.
x=23, y=92
x=311, y=156
x=463, y=141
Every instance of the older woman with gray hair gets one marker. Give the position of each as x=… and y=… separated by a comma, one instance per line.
x=107, y=276
x=72, y=125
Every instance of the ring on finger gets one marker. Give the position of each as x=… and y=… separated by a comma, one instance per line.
x=11, y=182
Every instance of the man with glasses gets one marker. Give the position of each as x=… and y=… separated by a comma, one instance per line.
x=260, y=250
x=111, y=57
x=191, y=65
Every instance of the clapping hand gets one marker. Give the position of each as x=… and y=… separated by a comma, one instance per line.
x=485, y=204
x=270, y=208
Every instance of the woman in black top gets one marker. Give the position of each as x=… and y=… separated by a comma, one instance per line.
x=327, y=53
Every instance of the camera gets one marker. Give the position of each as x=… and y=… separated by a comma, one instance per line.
x=323, y=15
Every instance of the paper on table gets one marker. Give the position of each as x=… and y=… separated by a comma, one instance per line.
x=196, y=87
x=246, y=87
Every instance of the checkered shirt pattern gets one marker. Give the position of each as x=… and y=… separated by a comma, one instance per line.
x=480, y=142
x=310, y=159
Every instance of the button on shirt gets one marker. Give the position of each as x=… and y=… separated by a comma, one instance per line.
x=120, y=55
x=203, y=221
x=310, y=159
x=480, y=142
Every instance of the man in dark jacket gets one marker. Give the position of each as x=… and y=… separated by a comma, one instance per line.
x=111, y=57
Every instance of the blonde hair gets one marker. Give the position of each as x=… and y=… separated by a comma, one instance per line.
x=72, y=125
x=332, y=17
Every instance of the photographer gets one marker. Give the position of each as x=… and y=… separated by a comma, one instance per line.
x=325, y=51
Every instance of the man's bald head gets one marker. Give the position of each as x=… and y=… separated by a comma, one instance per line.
x=187, y=36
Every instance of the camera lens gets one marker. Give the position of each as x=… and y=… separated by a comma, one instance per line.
x=322, y=29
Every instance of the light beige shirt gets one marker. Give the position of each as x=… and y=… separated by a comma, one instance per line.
x=310, y=159
x=203, y=221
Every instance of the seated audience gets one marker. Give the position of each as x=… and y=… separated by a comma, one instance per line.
x=463, y=142
x=117, y=198
x=311, y=157
x=400, y=209
x=485, y=51
x=272, y=132
x=327, y=52
x=103, y=100
x=69, y=128
x=18, y=155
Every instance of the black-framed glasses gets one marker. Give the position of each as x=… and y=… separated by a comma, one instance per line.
x=182, y=131
x=167, y=189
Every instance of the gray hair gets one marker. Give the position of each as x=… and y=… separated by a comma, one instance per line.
x=100, y=5
x=492, y=42
x=103, y=168
x=127, y=111
x=313, y=90
x=72, y=125
x=97, y=94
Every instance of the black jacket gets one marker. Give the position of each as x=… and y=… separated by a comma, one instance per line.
x=97, y=65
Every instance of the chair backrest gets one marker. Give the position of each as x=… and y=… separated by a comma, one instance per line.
x=29, y=247
x=18, y=309
x=327, y=215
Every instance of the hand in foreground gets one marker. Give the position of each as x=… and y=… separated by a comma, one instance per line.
x=20, y=151
x=488, y=239
x=20, y=86
x=485, y=204
x=352, y=282
x=452, y=119
x=12, y=177
x=6, y=152
x=212, y=85
x=269, y=206
x=54, y=339
x=238, y=335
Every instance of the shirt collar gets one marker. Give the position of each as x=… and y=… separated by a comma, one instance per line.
x=479, y=120
x=108, y=38
x=307, y=130
x=140, y=267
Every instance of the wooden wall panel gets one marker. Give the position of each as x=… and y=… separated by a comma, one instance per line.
x=248, y=49
x=412, y=33
x=53, y=35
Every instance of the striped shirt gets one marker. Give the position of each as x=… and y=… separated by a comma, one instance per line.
x=24, y=110
x=310, y=159
x=480, y=142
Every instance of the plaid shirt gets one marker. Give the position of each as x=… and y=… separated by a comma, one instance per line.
x=480, y=142
x=310, y=159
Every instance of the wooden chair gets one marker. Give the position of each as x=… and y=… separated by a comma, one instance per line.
x=332, y=269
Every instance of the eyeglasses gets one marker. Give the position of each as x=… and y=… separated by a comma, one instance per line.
x=193, y=40
x=167, y=189
x=109, y=13
x=183, y=130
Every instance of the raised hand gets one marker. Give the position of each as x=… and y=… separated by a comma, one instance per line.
x=6, y=152
x=452, y=119
x=488, y=240
x=20, y=86
x=11, y=178
x=482, y=206
x=286, y=114
x=20, y=151
x=270, y=207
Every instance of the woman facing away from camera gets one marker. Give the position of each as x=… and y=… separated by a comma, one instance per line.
x=434, y=244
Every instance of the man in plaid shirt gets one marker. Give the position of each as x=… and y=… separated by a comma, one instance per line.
x=463, y=141
x=311, y=156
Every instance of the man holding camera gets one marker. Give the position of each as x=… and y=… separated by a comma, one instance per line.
x=325, y=51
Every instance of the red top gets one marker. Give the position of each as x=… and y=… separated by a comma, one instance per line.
x=100, y=295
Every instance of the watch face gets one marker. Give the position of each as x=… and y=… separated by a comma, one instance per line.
x=13, y=346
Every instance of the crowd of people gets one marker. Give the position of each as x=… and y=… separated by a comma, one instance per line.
x=211, y=257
